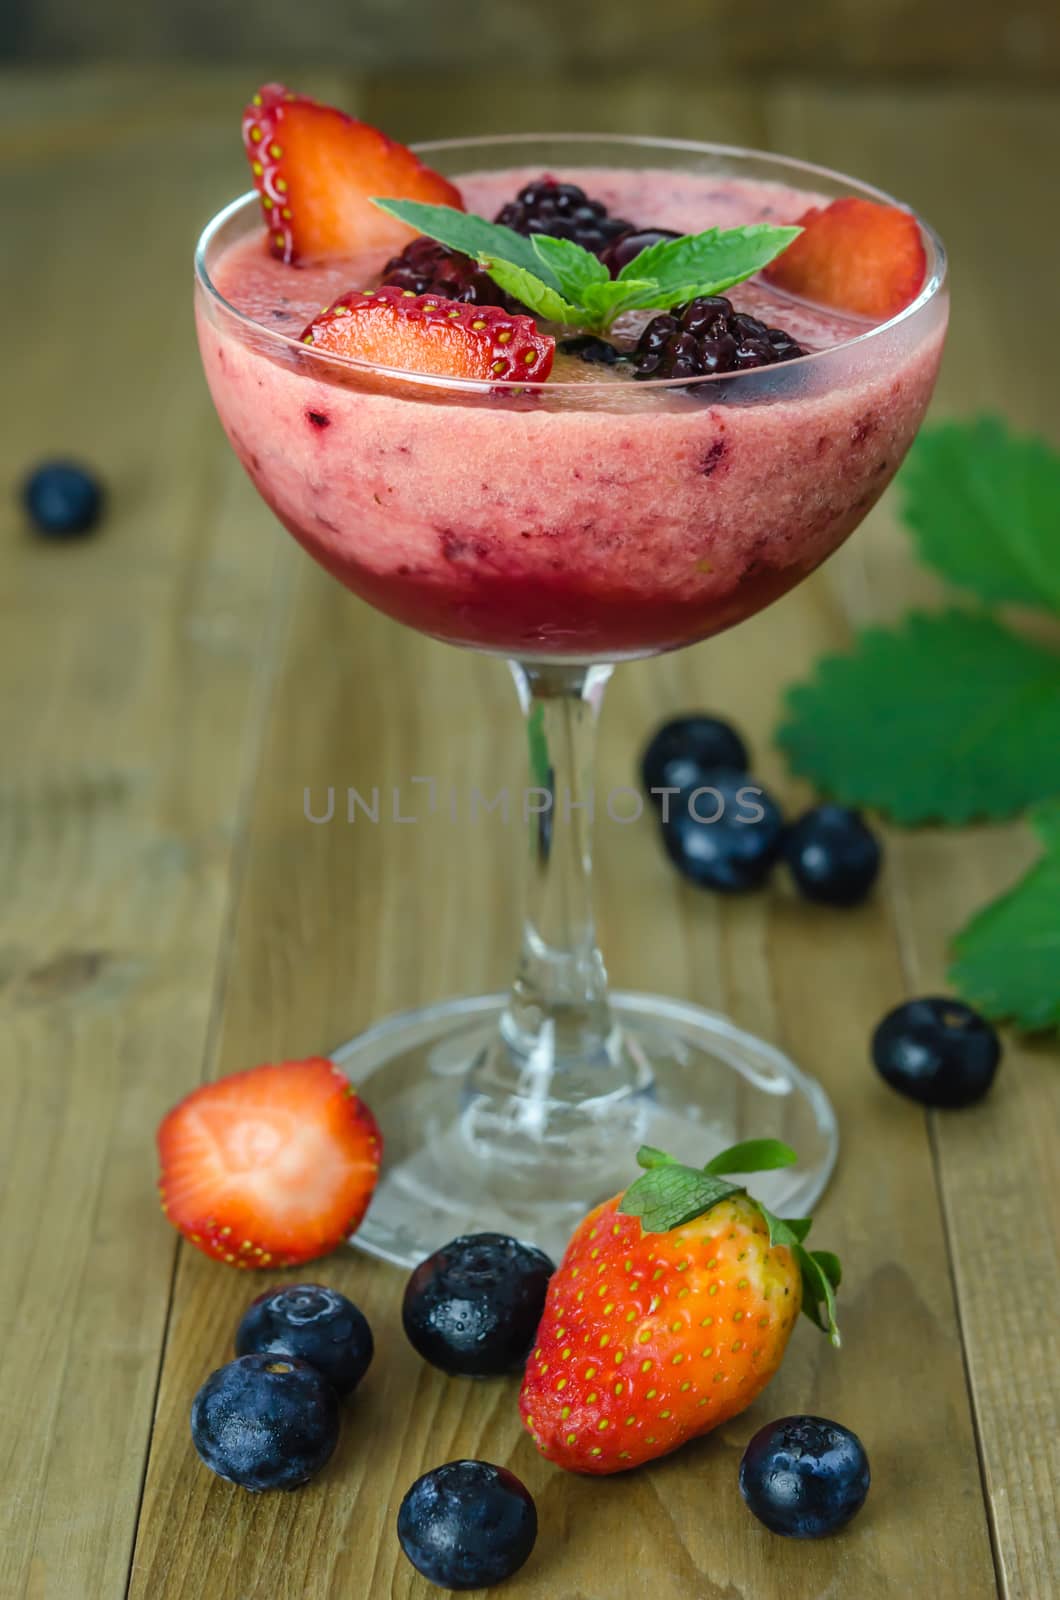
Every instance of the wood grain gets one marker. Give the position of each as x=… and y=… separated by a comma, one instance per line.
x=134, y=686
x=172, y=688
x=996, y=1163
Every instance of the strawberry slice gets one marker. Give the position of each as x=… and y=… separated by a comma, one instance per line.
x=269, y=1167
x=425, y=333
x=856, y=255
x=316, y=170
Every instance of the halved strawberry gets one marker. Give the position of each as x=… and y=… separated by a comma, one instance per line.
x=424, y=333
x=317, y=169
x=269, y=1167
x=856, y=255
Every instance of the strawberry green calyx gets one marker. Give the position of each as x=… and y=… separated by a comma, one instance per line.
x=668, y=1195
x=565, y=284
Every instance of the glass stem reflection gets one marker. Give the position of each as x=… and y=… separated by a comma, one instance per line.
x=558, y=1020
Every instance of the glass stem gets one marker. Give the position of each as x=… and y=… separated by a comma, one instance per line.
x=558, y=1021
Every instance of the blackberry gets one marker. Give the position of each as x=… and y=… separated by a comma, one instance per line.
x=426, y=267
x=705, y=336
x=564, y=211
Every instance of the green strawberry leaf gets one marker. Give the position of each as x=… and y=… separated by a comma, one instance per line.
x=942, y=719
x=706, y=263
x=753, y=1155
x=1007, y=958
x=982, y=505
x=818, y=1290
x=669, y=1194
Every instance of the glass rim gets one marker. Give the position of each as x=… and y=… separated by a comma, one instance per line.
x=934, y=280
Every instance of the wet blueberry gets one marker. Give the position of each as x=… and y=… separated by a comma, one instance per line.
x=472, y=1308
x=682, y=752
x=834, y=858
x=724, y=834
x=804, y=1477
x=63, y=500
x=314, y=1324
x=266, y=1422
x=937, y=1051
x=467, y=1525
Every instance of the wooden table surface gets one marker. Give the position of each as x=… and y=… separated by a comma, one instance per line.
x=170, y=687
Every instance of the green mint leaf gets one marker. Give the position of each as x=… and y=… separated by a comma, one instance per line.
x=670, y=1195
x=753, y=1155
x=942, y=719
x=532, y=291
x=1007, y=958
x=462, y=230
x=603, y=302
x=565, y=262
x=706, y=263
x=982, y=506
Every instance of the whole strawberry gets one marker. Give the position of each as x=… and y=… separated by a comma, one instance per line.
x=669, y=1313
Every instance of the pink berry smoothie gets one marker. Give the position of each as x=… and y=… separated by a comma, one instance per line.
x=596, y=518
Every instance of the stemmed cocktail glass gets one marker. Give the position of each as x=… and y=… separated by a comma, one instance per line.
x=569, y=527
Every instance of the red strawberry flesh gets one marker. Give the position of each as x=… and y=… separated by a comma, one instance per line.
x=426, y=334
x=270, y=1167
x=856, y=255
x=317, y=170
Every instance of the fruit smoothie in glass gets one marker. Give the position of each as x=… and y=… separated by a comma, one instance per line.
x=570, y=400
x=594, y=516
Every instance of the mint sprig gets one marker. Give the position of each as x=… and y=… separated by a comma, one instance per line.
x=559, y=281
x=956, y=715
x=669, y=1194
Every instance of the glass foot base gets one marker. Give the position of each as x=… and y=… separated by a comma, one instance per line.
x=455, y=1163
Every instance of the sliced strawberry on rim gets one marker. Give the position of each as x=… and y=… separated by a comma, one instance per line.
x=317, y=169
x=426, y=334
x=269, y=1167
x=856, y=255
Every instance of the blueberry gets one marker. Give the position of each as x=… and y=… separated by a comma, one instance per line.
x=628, y=246
x=724, y=834
x=937, y=1051
x=589, y=348
x=313, y=1324
x=63, y=499
x=265, y=1422
x=472, y=1308
x=681, y=753
x=467, y=1525
x=804, y=1477
x=834, y=858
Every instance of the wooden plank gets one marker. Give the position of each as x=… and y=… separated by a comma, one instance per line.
x=339, y=924
x=135, y=670
x=997, y=1162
